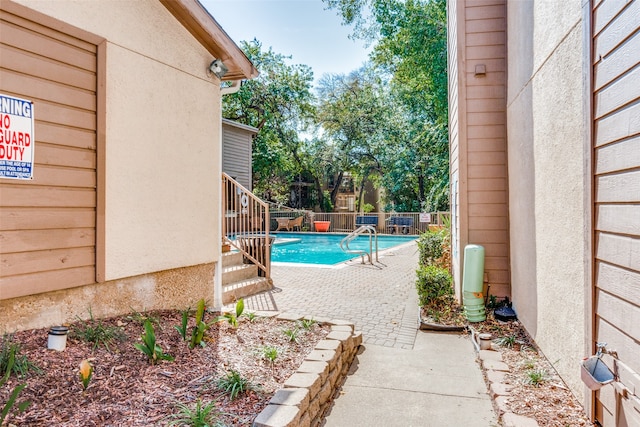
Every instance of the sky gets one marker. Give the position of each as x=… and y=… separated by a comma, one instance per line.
x=298, y=28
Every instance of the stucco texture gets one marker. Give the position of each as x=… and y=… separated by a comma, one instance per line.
x=547, y=192
x=162, y=136
x=145, y=27
x=164, y=290
x=560, y=207
x=553, y=19
x=162, y=178
x=522, y=203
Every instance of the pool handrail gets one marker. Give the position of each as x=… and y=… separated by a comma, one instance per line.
x=373, y=236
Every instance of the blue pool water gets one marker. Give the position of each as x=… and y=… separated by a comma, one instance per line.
x=324, y=248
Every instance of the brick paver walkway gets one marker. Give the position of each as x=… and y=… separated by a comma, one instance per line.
x=380, y=300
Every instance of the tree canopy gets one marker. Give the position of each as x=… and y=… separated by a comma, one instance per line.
x=280, y=103
x=409, y=38
x=353, y=112
x=385, y=123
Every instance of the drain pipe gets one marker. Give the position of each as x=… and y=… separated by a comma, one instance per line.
x=217, y=278
x=474, y=338
x=235, y=87
x=481, y=341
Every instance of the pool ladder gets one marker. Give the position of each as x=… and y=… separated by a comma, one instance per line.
x=373, y=239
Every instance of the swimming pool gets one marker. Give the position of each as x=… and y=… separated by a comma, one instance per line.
x=324, y=248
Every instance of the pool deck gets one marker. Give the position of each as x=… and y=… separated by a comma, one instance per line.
x=380, y=300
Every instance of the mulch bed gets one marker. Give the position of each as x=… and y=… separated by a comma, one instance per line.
x=550, y=401
x=126, y=390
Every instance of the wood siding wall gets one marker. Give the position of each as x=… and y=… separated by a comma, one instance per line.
x=48, y=224
x=481, y=133
x=237, y=154
x=615, y=32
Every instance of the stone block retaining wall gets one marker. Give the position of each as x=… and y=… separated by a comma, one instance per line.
x=308, y=393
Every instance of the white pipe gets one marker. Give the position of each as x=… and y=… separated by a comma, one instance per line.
x=235, y=86
x=474, y=338
x=217, y=278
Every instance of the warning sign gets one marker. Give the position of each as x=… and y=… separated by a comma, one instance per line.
x=16, y=138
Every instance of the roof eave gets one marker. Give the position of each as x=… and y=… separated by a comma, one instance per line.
x=238, y=125
x=195, y=18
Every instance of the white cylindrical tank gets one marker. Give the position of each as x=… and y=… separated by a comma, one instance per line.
x=472, y=283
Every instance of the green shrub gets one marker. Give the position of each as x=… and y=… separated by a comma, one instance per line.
x=433, y=283
x=197, y=334
x=96, y=332
x=11, y=404
x=21, y=364
x=430, y=247
x=269, y=353
x=199, y=415
x=536, y=377
x=307, y=324
x=234, y=384
x=293, y=334
x=326, y=204
x=149, y=347
x=232, y=318
x=182, y=329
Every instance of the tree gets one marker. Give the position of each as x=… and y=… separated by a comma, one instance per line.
x=410, y=44
x=354, y=112
x=321, y=162
x=279, y=102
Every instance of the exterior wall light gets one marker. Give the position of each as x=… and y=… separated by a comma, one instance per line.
x=218, y=68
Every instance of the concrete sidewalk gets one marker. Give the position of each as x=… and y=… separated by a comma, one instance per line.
x=438, y=383
x=402, y=377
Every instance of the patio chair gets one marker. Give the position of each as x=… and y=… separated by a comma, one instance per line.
x=296, y=222
x=399, y=224
x=283, y=224
x=366, y=220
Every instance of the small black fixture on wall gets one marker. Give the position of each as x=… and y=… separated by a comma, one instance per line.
x=218, y=68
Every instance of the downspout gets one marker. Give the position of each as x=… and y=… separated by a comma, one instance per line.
x=217, y=279
x=235, y=86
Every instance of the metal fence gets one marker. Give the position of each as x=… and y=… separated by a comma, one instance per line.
x=385, y=222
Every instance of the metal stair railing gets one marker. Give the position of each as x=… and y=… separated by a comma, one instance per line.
x=373, y=238
x=245, y=224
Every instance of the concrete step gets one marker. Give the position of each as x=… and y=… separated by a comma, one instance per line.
x=231, y=258
x=233, y=291
x=237, y=273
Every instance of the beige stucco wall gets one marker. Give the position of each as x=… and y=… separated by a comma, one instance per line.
x=546, y=178
x=163, y=185
x=162, y=136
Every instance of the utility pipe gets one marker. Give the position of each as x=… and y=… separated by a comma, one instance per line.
x=235, y=87
x=217, y=278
